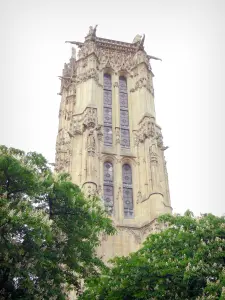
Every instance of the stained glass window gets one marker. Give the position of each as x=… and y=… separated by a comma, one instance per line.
x=127, y=191
x=108, y=187
x=124, y=114
x=107, y=111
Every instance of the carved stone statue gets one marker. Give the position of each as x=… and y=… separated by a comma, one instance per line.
x=141, y=45
x=92, y=31
x=137, y=39
x=99, y=132
x=91, y=141
x=153, y=151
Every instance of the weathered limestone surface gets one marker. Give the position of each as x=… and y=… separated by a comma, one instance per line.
x=80, y=148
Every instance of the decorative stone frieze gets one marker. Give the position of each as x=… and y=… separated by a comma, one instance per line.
x=89, y=74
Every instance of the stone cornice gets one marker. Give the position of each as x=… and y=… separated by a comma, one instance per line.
x=116, y=45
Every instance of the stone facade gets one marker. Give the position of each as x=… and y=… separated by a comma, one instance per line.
x=108, y=138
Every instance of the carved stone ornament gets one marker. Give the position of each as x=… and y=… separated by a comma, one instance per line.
x=68, y=72
x=139, y=197
x=146, y=128
x=119, y=193
x=115, y=60
x=83, y=121
x=141, y=57
x=137, y=39
x=92, y=32
x=77, y=128
x=87, y=49
x=117, y=129
x=90, y=73
x=143, y=82
x=159, y=140
x=90, y=117
x=153, y=151
x=100, y=191
x=99, y=132
x=63, y=151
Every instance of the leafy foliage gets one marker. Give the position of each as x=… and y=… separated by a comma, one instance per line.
x=49, y=230
x=184, y=261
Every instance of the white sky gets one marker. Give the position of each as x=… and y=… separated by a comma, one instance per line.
x=189, y=36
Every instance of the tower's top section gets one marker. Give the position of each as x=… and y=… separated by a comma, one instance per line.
x=101, y=54
x=137, y=44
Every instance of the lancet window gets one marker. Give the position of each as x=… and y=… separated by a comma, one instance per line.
x=128, y=207
x=108, y=187
x=124, y=113
x=107, y=110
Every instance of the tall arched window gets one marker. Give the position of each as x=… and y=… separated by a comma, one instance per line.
x=124, y=114
x=128, y=207
x=107, y=114
x=108, y=187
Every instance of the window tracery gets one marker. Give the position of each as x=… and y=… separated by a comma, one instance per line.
x=124, y=113
x=108, y=187
x=107, y=110
x=127, y=191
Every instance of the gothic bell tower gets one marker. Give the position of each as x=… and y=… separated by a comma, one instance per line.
x=108, y=138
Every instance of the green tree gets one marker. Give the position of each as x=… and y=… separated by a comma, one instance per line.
x=49, y=231
x=186, y=260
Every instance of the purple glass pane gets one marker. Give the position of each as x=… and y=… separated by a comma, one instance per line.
x=127, y=198
x=108, y=172
x=125, y=138
x=123, y=100
x=108, y=198
x=128, y=212
x=108, y=135
x=127, y=174
x=107, y=82
x=122, y=85
x=108, y=187
x=124, y=119
x=127, y=191
x=107, y=116
x=107, y=98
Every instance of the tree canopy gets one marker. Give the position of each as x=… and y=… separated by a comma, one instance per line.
x=184, y=261
x=49, y=231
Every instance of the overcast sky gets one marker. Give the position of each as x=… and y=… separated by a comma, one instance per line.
x=189, y=83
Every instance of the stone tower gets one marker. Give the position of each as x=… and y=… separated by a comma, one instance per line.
x=108, y=138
